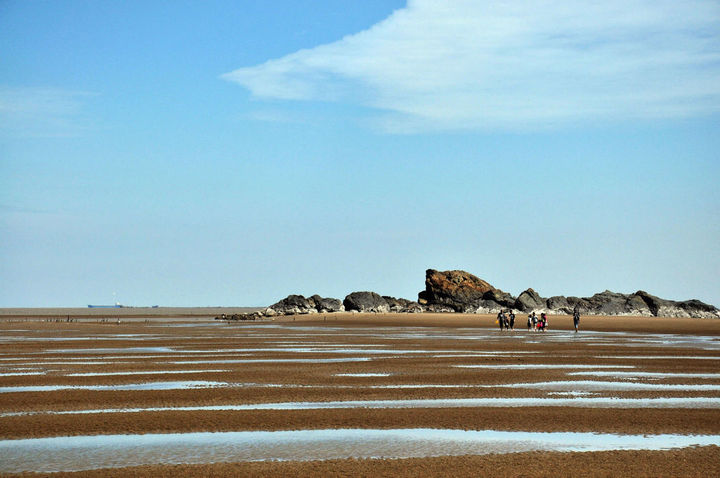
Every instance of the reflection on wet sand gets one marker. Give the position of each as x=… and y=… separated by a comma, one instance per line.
x=47, y=455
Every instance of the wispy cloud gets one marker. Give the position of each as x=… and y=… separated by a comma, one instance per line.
x=457, y=64
x=42, y=112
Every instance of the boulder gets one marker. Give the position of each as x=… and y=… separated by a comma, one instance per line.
x=614, y=303
x=439, y=309
x=559, y=305
x=457, y=290
x=402, y=305
x=293, y=304
x=502, y=298
x=366, y=302
x=581, y=304
x=328, y=304
x=297, y=304
x=488, y=307
x=669, y=308
x=696, y=308
x=529, y=301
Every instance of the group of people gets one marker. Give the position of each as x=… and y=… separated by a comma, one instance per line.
x=506, y=321
x=537, y=323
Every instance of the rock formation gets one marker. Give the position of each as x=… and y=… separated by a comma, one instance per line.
x=366, y=302
x=460, y=291
x=326, y=304
x=529, y=301
x=402, y=305
x=463, y=292
x=297, y=304
x=457, y=290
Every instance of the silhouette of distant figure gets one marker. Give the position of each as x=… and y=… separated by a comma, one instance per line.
x=512, y=320
x=576, y=318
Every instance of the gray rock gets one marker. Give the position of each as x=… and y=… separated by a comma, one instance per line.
x=439, y=308
x=488, y=307
x=293, y=304
x=581, y=304
x=529, y=301
x=402, y=305
x=559, y=305
x=366, y=302
x=696, y=308
x=668, y=308
x=329, y=304
x=614, y=303
x=502, y=298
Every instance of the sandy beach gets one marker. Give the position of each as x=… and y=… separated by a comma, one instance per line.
x=170, y=377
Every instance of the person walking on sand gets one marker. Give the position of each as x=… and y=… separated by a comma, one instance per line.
x=576, y=318
x=512, y=320
x=543, y=321
x=501, y=320
x=534, y=321
x=530, y=324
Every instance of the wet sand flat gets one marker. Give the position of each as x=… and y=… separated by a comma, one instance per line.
x=619, y=375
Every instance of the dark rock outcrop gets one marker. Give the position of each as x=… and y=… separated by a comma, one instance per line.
x=639, y=304
x=502, y=299
x=439, y=309
x=614, y=303
x=457, y=290
x=293, y=304
x=297, y=304
x=249, y=316
x=327, y=304
x=560, y=304
x=529, y=301
x=402, y=305
x=366, y=302
x=460, y=291
x=670, y=308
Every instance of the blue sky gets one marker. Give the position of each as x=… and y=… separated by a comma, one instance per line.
x=231, y=153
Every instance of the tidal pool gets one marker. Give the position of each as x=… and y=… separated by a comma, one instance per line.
x=252, y=360
x=659, y=357
x=143, y=372
x=499, y=402
x=362, y=375
x=530, y=366
x=187, y=384
x=17, y=374
x=585, y=385
x=47, y=455
x=651, y=375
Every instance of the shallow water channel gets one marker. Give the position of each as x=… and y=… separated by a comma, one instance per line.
x=47, y=455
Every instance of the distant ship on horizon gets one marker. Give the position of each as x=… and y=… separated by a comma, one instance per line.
x=117, y=305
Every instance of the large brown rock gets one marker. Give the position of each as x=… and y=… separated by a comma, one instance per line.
x=458, y=290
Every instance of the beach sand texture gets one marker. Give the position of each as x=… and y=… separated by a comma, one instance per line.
x=175, y=375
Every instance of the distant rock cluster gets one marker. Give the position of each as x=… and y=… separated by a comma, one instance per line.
x=460, y=291
x=356, y=301
x=464, y=292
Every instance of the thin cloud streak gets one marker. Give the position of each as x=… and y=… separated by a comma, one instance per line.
x=32, y=112
x=483, y=65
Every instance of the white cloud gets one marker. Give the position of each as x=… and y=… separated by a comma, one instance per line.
x=455, y=64
x=41, y=112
